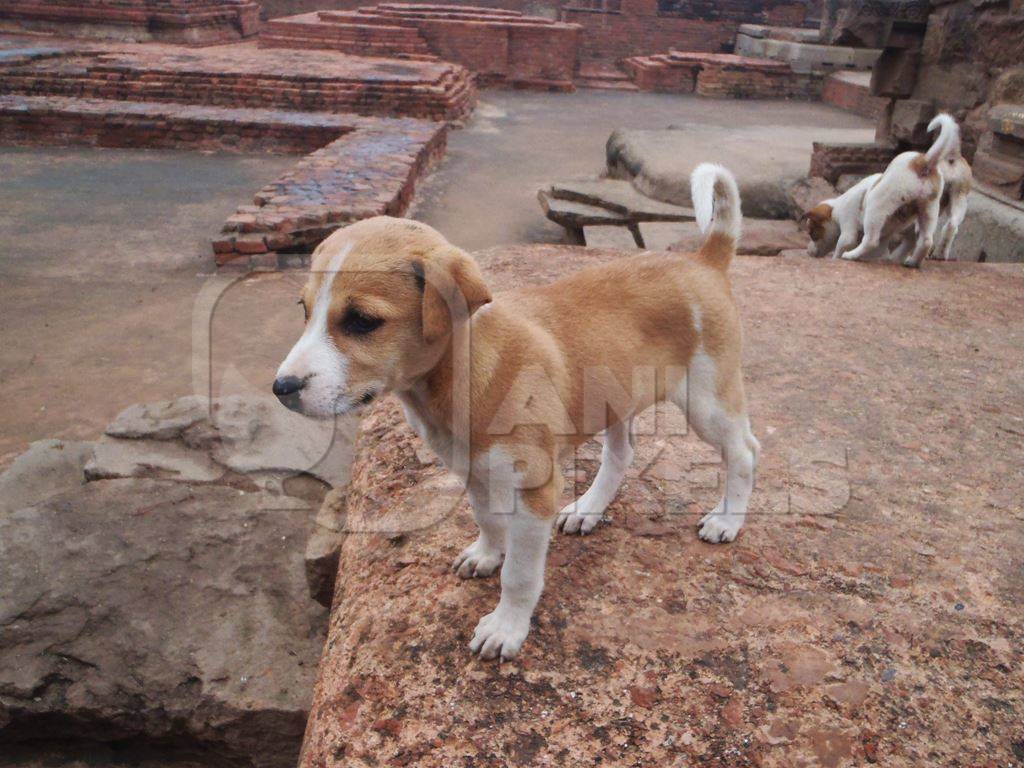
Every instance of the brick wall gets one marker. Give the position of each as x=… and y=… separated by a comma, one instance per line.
x=611, y=37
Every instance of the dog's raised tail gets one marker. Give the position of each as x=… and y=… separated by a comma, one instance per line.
x=716, y=203
x=946, y=143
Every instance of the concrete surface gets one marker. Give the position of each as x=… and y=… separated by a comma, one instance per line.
x=484, y=192
x=104, y=253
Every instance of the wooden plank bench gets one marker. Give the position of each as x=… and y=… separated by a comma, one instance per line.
x=574, y=205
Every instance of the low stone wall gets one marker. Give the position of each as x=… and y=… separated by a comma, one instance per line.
x=722, y=75
x=830, y=161
x=190, y=22
x=370, y=171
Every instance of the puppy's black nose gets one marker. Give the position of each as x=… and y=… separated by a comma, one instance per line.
x=287, y=389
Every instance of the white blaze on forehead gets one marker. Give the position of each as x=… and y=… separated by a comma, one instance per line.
x=315, y=354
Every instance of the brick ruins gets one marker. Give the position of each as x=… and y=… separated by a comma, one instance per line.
x=962, y=56
x=498, y=46
x=187, y=22
x=369, y=90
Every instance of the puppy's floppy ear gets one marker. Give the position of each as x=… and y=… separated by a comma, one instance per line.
x=448, y=281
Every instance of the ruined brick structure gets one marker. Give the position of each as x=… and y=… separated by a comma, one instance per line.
x=617, y=29
x=722, y=75
x=189, y=22
x=498, y=46
x=962, y=56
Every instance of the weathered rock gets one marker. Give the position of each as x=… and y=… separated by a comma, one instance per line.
x=760, y=237
x=165, y=420
x=895, y=73
x=47, y=468
x=992, y=231
x=113, y=458
x=910, y=118
x=157, y=611
x=659, y=163
x=806, y=193
x=324, y=546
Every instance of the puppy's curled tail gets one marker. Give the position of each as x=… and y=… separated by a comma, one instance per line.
x=946, y=143
x=716, y=202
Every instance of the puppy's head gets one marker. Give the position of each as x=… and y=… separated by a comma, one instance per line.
x=381, y=302
x=822, y=228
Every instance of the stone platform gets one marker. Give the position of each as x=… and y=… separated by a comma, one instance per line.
x=722, y=75
x=245, y=76
x=188, y=22
x=70, y=121
x=498, y=46
x=866, y=615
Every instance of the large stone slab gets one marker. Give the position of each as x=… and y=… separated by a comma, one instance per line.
x=157, y=611
x=848, y=606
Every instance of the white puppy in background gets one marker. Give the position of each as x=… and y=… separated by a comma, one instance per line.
x=910, y=192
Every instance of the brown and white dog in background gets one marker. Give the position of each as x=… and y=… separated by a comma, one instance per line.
x=918, y=195
x=378, y=319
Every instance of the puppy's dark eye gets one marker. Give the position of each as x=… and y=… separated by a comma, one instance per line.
x=355, y=323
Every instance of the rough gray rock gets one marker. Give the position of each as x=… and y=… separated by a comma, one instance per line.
x=992, y=231
x=154, y=583
x=159, y=611
x=47, y=468
x=659, y=163
x=804, y=194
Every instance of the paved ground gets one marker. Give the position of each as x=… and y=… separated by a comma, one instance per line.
x=105, y=254
x=485, y=192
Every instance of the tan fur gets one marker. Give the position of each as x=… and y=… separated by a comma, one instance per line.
x=534, y=350
x=817, y=218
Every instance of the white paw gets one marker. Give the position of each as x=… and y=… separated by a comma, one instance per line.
x=577, y=518
x=851, y=256
x=719, y=528
x=500, y=633
x=477, y=561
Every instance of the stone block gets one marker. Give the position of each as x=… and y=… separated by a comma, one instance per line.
x=1009, y=87
x=895, y=73
x=952, y=87
x=910, y=118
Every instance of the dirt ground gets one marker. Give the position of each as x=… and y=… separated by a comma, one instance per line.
x=869, y=612
x=104, y=253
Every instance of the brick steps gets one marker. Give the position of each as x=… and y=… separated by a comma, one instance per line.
x=356, y=39
x=721, y=75
x=498, y=46
x=604, y=79
x=296, y=80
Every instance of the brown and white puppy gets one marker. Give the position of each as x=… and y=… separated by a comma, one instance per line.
x=909, y=194
x=504, y=387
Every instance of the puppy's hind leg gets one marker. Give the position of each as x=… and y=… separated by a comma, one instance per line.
x=949, y=229
x=616, y=456
x=718, y=416
x=926, y=221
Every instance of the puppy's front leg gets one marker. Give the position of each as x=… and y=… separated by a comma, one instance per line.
x=491, y=512
x=503, y=631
